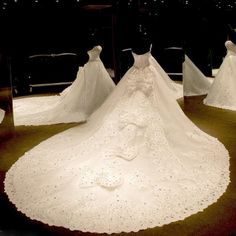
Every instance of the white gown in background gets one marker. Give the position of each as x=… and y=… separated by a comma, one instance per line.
x=137, y=163
x=2, y=114
x=195, y=83
x=91, y=87
x=175, y=87
x=223, y=91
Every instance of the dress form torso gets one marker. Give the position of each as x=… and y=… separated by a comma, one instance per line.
x=94, y=53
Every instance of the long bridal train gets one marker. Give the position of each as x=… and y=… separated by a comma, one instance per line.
x=137, y=163
x=223, y=91
x=91, y=87
x=195, y=83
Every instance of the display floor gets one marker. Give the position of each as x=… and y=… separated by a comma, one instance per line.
x=218, y=219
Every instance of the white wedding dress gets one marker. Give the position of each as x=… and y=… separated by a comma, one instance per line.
x=223, y=91
x=2, y=115
x=91, y=87
x=195, y=83
x=137, y=163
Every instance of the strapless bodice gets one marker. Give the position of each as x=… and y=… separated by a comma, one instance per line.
x=141, y=61
x=94, y=54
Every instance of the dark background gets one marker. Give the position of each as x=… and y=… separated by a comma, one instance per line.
x=198, y=27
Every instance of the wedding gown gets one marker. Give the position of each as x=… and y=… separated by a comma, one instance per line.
x=2, y=114
x=138, y=162
x=195, y=83
x=223, y=91
x=91, y=87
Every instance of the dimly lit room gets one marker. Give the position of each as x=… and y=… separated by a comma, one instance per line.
x=118, y=117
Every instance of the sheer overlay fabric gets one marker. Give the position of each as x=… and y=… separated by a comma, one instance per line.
x=172, y=85
x=195, y=83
